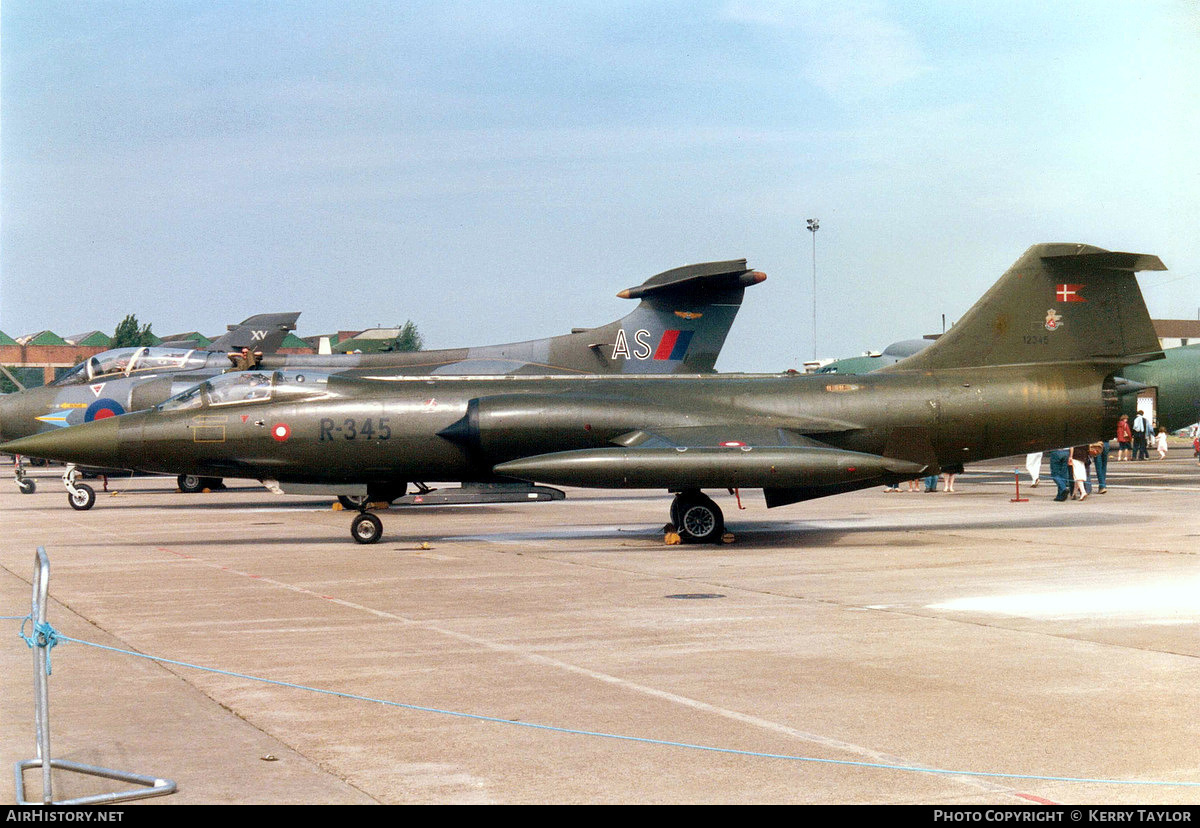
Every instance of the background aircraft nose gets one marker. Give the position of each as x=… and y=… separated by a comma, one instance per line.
x=88, y=444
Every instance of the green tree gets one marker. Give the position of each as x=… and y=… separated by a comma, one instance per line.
x=6, y=385
x=409, y=339
x=129, y=335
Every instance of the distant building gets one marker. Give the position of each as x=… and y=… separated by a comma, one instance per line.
x=293, y=344
x=38, y=358
x=193, y=339
x=1173, y=333
x=372, y=340
x=90, y=339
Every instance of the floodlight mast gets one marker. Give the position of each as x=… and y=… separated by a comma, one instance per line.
x=813, y=226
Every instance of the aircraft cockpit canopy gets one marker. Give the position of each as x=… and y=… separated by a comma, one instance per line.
x=249, y=386
x=126, y=361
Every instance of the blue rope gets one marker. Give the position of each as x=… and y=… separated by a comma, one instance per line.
x=644, y=740
x=44, y=636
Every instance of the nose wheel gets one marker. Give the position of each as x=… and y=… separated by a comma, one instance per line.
x=697, y=518
x=366, y=528
x=81, y=496
x=24, y=484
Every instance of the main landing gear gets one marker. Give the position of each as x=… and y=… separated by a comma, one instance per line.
x=694, y=515
x=697, y=518
x=193, y=483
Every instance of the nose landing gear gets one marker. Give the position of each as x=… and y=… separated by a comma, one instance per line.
x=81, y=496
x=366, y=528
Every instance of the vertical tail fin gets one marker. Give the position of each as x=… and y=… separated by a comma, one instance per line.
x=263, y=332
x=681, y=322
x=1058, y=303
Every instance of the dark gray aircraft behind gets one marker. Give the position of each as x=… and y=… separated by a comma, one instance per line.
x=678, y=326
x=1029, y=365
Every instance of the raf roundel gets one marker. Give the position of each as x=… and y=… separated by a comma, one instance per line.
x=281, y=432
x=102, y=409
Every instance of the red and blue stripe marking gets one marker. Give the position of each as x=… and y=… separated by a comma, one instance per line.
x=673, y=345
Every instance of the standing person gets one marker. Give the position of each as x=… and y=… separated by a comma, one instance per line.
x=1100, y=461
x=948, y=475
x=1060, y=472
x=1033, y=464
x=1079, y=467
x=1124, y=438
x=931, y=483
x=1160, y=443
x=1140, y=433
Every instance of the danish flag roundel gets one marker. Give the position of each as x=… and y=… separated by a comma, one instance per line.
x=281, y=432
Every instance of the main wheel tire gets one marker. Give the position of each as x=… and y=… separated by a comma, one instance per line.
x=366, y=528
x=353, y=502
x=82, y=498
x=700, y=519
x=26, y=486
x=190, y=483
x=213, y=484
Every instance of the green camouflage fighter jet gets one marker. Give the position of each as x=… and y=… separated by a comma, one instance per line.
x=1029, y=365
x=678, y=326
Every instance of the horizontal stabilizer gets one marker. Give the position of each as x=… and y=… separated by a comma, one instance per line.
x=263, y=332
x=1106, y=259
x=709, y=275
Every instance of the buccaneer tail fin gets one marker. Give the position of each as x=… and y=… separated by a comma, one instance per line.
x=680, y=323
x=1058, y=303
x=678, y=327
x=263, y=332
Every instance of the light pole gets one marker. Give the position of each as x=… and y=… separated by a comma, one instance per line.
x=813, y=226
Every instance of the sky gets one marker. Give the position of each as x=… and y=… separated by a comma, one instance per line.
x=498, y=171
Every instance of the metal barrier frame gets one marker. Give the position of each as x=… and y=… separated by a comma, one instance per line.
x=152, y=786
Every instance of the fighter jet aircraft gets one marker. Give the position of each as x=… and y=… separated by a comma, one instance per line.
x=1029, y=365
x=678, y=326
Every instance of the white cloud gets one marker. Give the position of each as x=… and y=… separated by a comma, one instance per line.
x=850, y=50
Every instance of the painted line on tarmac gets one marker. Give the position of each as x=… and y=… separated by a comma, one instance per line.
x=624, y=684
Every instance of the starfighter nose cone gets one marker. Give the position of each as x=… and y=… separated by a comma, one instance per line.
x=88, y=444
